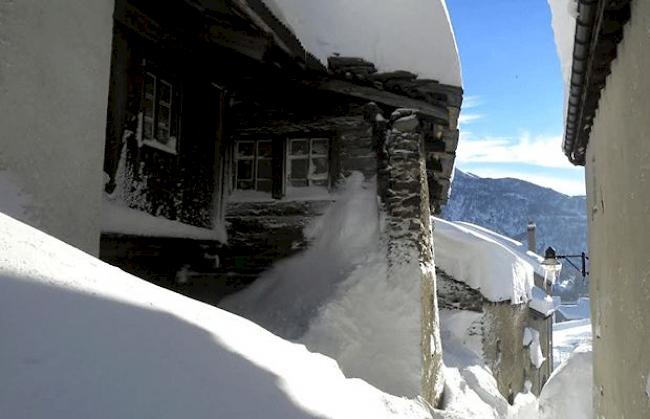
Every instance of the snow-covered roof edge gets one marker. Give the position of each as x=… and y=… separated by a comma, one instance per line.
x=427, y=49
x=483, y=262
x=597, y=25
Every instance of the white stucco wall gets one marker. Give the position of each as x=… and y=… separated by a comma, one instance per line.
x=618, y=188
x=54, y=72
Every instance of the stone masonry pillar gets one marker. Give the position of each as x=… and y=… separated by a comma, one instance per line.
x=404, y=191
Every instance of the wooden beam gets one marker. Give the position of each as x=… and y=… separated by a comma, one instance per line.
x=439, y=113
x=252, y=46
x=189, y=28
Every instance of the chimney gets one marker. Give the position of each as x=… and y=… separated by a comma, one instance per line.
x=532, y=241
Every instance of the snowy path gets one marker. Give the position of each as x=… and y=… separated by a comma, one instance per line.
x=567, y=336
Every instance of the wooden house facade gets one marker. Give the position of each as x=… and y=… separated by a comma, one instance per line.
x=219, y=120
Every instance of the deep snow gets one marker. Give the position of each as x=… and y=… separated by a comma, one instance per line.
x=83, y=339
x=336, y=298
x=412, y=35
x=567, y=336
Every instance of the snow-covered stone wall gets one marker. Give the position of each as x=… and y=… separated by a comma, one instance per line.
x=53, y=96
x=405, y=197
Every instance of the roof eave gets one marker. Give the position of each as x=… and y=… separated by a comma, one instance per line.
x=599, y=29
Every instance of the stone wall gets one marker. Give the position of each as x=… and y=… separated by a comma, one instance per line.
x=261, y=233
x=502, y=335
x=544, y=326
x=456, y=295
x=504, y=350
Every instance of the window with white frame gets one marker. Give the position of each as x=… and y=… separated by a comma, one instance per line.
x=308, y=162
x=253, y=162
x=157, y=112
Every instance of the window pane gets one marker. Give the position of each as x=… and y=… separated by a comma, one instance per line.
x=264, y=169
x=319, y=167
x=320, y=146
x=264, y=149
x=164, y=117
x=163, y=134
x=299, y=148
x=148, y=107
x=244, y=169
x=147, y=129
x=245, y=184
x=165, y=92
x=149, y=84
x=264, y=185
x=299, y=168
x=246, y=149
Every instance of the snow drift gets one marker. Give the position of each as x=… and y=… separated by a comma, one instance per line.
x=568, y=392
x=83, y=339
x=335, y=297
x=412, y=35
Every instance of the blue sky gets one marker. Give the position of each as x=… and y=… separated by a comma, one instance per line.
x=512, y=119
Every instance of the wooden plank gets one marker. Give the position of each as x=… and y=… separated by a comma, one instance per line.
x=438, y=113
x=252, y=46
x=207, y=29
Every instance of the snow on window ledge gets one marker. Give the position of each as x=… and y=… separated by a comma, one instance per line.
x=311, y=193
x=122, y=220
x=170, y=147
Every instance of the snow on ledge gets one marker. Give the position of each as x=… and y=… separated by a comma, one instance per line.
x=412, y=35
x=471, y=255
x=531, y=340
x=123, y=220
x=563, y=13
x=541, y=302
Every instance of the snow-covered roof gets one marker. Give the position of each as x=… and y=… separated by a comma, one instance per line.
x=495, y=265
x=580, y=310
x=563, y=21
x=516, y=246
x=412, y=35
x=84, y=339
x=541, y=302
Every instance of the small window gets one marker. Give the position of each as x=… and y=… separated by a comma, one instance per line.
x=253, y=160
x=308, y=162
x=158, y=117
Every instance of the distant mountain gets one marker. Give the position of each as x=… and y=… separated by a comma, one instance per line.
x=506, y=206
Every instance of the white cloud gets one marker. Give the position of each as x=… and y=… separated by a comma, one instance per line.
x=543, y=151
x=573, y=185
x=470, y=102
x=467, y=118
